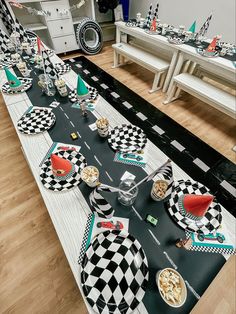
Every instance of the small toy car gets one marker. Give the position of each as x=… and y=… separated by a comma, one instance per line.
x=152, y=220
x=133, y=156
x=110, y=225
x=213, y=237
x=66, y=148
x=74, y=136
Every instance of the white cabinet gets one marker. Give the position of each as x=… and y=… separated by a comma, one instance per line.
x=58, y=29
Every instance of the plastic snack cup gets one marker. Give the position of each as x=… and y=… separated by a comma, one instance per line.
x=164, y=29
x=159, y=189
x=16, y=57
x=103, y=127
x=61, y=87
x=90, y=176
x=181, y=30
x=23, y=69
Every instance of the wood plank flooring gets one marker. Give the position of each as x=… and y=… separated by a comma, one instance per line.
x=34, y=274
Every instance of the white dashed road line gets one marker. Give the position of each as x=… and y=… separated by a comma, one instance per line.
x=170, y=260
x=66, y=116
x=87, y=145
x=95, y=157
x=110, y=178
x=136, y=213
x=154, y=237
x=192, y=290
x=72, y=124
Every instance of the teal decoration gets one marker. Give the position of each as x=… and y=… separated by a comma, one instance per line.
x=192, y=27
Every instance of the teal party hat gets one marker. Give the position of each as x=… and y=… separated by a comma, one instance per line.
x=13, y=81
x=192, y=27
x=81, y=88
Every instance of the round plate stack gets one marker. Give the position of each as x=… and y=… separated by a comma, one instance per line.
x=209, y=222
x=36, y=121
x=209, y=54
x=50, y=182
x=127, y=138
x=93, y=94
x=114, y=273
x=26, y=83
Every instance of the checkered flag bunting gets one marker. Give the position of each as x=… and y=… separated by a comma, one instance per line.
x=48, y=66
x=98, y=202
x=156, y=12
x=203, y=30
x=149, y=17
x=3, y=41
x=6, y=17
x=19, y=29
x=114, y=273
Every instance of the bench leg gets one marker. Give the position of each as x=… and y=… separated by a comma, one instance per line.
x=156, y=80
x=116, y=60
x=171, y=95
x=170, y=71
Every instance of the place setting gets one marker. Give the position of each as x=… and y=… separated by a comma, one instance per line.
x=14, y=84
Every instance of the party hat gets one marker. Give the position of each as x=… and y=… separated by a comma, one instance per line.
x=39, y=45
x=194, y=206
x=212, y=46
x=61, y=168
x=192, y=27
x=154, y=25
x=81, y=88
x=13, y=81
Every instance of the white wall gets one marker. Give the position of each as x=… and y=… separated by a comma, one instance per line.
x=184, y=12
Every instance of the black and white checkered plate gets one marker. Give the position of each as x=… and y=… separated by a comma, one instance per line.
x=50, y=182
x=92, y=91
x=114, y=273
x=176, y=40
x=127, y=138
x=6, y=62
x=62, y=68
x=203, y=52
x=26, y=84
x=212, y=219
x=36, y=121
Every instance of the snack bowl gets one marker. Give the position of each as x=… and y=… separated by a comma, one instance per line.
x=90, y=176
x=168, y=279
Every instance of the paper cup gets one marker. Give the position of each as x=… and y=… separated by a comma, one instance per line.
x=102, y=127
x=159, y=189
x=90, y=176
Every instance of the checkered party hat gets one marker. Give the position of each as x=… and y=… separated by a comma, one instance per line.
x=48, y=66
x=154, y=25
x=212, y=46
x=98, y=202
x=81, y=88
x=194, y=206
x=192, y=28
x=4, y=38
x=13, y=81
x=61, y=168
x=156, y=11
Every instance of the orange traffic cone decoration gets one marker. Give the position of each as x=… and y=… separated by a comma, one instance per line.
x=62, y=169
x=153, y=27
x=212, y=46
x=195, y=206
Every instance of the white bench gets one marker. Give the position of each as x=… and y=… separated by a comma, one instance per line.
x=143, y=58
x=206, y=92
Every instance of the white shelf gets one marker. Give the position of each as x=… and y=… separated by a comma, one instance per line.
x=107, y=25
x=35, y=26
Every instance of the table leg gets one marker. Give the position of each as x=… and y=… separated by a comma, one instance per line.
x=156, y=80
x=171, y=89
x=118, y=35
x=170, y=70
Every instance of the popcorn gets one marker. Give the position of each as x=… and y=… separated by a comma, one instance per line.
x=101, y=123
x=170, y=286
x=90, y=175
x=159, y=189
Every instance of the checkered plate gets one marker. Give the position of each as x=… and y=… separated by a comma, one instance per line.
x=212, y=219
x=50, y=182
x=207, y=54
x=36, y=121
x=175, y=40
x=127, y=138
x=92, y=91
x=114, y=273
x=62, y=68
x=26, y=84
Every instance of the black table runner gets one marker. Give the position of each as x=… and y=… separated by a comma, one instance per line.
x=197, y=268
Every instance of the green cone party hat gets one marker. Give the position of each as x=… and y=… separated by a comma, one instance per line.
x=81, y=88
x=13, y=81
x=192, y=27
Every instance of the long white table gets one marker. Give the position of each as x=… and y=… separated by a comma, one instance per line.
x=69, y=210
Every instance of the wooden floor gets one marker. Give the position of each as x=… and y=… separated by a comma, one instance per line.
x=34, y=274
